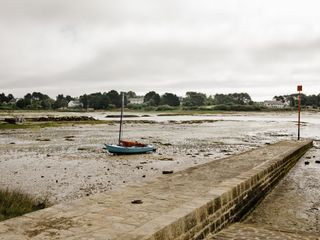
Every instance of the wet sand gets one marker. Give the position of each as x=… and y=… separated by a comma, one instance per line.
x=64, y=163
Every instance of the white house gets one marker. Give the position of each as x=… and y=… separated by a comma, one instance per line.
x=75, y=104
x=136, y=100
x=275, y=104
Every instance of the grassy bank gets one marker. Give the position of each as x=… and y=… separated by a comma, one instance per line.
x=15, y=203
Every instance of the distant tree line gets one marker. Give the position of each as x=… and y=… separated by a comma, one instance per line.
x=306, y=100
x=150, y=101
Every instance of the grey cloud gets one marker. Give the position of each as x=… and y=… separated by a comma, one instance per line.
x=177, y=45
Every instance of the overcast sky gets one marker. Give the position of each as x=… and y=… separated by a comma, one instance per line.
x=263, y=47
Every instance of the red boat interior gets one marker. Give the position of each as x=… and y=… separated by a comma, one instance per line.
x=131, y=144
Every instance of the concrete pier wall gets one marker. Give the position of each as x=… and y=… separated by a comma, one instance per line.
x=227, y=202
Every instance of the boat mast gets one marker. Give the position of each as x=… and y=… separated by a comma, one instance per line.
x=121, y=116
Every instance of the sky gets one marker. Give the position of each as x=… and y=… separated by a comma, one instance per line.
x=264, y=48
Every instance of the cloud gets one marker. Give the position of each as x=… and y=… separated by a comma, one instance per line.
x=212, y=46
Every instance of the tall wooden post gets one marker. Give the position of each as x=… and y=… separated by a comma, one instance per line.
x=121, y=116
x=299, y=88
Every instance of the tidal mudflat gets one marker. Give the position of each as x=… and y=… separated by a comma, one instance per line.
x=69, y=162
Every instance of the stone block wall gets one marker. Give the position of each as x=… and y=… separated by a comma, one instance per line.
x=224, y=204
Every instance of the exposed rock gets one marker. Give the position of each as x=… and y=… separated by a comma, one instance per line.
x=167, y=172
x=62, y=119
x=83, y=148
x=43, y=139
x=166, y=159
x=125, y=116
x=16, y=120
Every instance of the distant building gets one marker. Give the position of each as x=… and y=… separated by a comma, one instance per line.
x=13, y=101
x=275, y=104
x=75, y=104
x=135, y=100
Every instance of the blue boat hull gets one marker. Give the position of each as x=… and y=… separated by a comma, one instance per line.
x=116, y=149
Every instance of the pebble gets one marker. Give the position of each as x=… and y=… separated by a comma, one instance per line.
x=167, y=172
x=43, y=139
x=166, y=159
x=166, y=144
x=82, y=148
x=137, y=201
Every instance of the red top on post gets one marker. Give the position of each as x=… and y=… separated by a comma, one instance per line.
x=299, y=88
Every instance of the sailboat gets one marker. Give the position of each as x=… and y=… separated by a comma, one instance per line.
x=127, y=147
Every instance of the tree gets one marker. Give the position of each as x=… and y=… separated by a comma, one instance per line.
x=131, y=94
x=170, y=99
x=60, y=102
x=4, y=98
x=10, y=97
x=27, y=99
x=21, y=103
x=194, y=99
x=232, y=98
x=84, y=101
x=114, y=97
x=279, y=98
x=95, y=100
x=38, y=96
x=69, y=98
x=47, y=103
x=210, y=100
x=152, y=98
